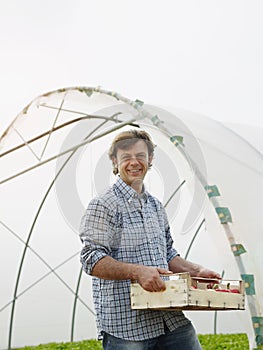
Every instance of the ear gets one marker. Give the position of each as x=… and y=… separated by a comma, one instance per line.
x=115, y=165
x=150, y=158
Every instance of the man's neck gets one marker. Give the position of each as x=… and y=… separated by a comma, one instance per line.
x=137, y=186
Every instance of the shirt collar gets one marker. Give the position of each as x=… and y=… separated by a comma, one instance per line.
x=128, y=192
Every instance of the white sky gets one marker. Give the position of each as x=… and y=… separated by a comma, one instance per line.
x=204, y=56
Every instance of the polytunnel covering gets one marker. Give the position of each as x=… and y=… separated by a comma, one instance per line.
x=54, y=160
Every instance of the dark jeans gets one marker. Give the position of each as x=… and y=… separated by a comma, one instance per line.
x=183, y=338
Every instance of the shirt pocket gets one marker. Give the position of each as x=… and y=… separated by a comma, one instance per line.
x=133, y=229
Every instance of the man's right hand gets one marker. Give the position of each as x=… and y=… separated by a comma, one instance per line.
x=150, y=280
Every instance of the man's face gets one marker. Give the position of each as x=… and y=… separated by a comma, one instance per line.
x=133, y=163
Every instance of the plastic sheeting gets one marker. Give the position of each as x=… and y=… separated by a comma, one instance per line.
x=53, y=160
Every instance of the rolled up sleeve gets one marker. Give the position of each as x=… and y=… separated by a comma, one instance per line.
x=94, y=235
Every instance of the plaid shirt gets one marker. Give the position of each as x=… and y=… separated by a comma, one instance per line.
x=130, y=228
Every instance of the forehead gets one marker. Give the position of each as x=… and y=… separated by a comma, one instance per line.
x=137, y=147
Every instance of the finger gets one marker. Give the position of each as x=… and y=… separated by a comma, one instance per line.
x=164, y=271
x=155, y=286
x=160, y=285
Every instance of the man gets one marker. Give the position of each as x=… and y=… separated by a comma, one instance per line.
x=126, y=236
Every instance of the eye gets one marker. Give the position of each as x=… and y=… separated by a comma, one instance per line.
x=141, y=156
x=126, y=157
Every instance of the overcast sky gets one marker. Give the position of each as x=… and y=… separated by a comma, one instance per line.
x=204, y=56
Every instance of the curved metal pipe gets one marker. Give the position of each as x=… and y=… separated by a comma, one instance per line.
x=174, y=193
x=53, y=129
x=75, y=307
x=194, y=237
x=31, y=231
x=71, y=149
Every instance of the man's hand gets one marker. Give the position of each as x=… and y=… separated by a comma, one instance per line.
x=209, y=274
x=150, y=280
x=206, y=273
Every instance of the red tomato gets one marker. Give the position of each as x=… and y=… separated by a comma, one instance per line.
x=222, y=290
x=234, y=290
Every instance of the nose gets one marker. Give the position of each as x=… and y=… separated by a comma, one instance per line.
x=133, y=161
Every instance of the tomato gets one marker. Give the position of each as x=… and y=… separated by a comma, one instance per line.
x=222, y=290
x=234, y=290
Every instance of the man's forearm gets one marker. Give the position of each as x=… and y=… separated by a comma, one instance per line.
x=147, y=276
x=111, y=269
x=178, y=264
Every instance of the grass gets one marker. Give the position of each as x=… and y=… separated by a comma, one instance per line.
x=224, y=341
x=81, y=345
x=208, y=342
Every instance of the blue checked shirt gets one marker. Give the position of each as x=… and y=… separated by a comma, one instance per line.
x=130, y=228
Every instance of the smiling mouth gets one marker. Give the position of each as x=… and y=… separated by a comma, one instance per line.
x=137, y=171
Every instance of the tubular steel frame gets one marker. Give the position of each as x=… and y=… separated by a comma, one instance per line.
x=141, y=113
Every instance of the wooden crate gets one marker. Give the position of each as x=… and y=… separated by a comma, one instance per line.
x=186, y=293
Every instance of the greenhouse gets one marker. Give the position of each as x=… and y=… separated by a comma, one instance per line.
x=54, y=160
